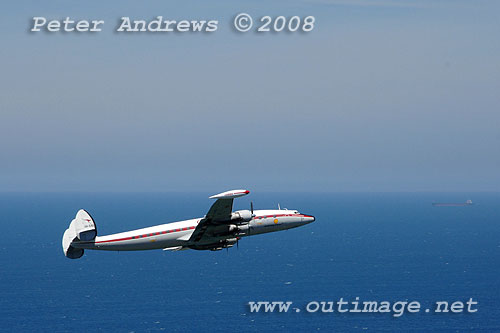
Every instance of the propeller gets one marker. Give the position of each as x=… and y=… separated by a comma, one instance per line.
x=253, y=215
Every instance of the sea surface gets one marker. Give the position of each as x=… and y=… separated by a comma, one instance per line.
x=375, y=246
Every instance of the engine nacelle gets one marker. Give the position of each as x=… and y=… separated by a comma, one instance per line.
x=241, y=216
x=230, y=242
x=243, y=229
x=231, y=229
x=223, y=244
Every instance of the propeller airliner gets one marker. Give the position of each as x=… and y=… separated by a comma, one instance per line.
x=220, y=228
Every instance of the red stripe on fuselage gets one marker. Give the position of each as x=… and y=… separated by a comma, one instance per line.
x=281, y=215
x=144, y=235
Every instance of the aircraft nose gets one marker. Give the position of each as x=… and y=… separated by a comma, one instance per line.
x=308, y=219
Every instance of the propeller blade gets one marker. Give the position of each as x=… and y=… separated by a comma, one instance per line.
x=251, y=206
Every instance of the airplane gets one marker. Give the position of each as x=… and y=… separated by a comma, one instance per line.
x=220, y=228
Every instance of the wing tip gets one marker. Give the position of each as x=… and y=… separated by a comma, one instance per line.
x=230, y=194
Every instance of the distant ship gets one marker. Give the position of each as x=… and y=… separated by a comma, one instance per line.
x=452, y=204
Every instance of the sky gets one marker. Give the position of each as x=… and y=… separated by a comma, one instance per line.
x=380, y=96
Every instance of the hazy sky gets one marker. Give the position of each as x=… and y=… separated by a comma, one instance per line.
x=381, y=96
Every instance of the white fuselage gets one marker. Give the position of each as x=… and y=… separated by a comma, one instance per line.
x=177, y=234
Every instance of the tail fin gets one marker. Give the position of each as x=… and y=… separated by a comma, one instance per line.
x=81, y=228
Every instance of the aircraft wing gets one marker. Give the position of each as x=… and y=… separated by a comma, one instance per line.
x=220, y=210
x=219, y=213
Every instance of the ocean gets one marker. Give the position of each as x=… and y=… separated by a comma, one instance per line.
x=375, y=246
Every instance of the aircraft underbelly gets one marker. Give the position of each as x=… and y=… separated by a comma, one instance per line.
x=129, y=246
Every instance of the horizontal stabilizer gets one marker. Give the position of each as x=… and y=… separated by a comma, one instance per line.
x=175, y=248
